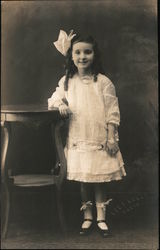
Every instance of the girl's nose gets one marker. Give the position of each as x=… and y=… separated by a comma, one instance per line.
x=82, y=55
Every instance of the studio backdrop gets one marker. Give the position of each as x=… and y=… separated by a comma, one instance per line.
x=126, y=32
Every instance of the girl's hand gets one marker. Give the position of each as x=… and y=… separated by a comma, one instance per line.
x=112, y=148
x=64, y=110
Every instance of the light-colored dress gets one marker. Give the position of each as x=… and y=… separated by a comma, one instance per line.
x=93, y=105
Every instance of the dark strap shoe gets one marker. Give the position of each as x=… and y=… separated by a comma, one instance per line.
x=86, y=231
x=104, y=232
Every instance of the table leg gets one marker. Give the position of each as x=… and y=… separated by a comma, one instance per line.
x=60, y=152
x=4, y=178
x=62, y=173
x=60, y=209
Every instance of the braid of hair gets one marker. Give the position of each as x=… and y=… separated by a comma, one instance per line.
x=95, y=77
x=66, y=80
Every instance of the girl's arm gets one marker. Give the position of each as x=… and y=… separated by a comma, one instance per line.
x=112, y=145
x=58, y=99
x=112, y=117
x=58, y=95
x=111, y=132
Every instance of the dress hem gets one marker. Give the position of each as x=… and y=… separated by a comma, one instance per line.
x=118, y=175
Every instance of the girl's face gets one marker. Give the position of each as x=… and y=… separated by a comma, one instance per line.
x=82, y=55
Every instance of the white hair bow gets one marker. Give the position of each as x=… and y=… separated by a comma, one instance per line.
x=64, y=42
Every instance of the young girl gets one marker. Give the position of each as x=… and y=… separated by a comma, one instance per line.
x=92, y=152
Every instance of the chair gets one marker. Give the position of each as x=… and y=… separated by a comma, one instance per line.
x=55, y=178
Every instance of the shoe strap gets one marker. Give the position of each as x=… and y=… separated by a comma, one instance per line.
x=88, y=220
x=85, y=205
x=99, y=221
x=103, y=204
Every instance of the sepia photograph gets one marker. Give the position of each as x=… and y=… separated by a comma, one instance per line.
x=79, y=124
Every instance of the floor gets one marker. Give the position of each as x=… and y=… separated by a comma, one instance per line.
x=123, y=237
x=130, y=229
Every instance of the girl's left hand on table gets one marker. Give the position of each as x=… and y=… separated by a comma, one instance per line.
x=112, y=148
x=64, y=110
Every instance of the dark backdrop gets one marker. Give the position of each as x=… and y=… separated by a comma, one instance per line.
x=126, y=31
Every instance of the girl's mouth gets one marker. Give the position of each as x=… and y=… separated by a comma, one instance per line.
x=84, y=62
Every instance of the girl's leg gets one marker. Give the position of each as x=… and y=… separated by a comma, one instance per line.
x=86, y=196
x=100, y=192
x=86, y=191
x=100, y=198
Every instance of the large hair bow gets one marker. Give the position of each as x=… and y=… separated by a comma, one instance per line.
x=64, y=42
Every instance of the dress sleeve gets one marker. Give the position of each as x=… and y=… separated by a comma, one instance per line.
x=58, y=97
x=112, y=113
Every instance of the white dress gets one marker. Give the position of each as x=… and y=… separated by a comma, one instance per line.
x=93, y=105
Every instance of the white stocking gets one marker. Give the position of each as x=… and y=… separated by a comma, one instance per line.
x=101, y=214
x=87, y=208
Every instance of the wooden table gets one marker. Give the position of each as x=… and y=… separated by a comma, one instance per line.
x=36, y=116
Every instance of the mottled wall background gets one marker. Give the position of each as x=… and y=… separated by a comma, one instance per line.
x=126, y=31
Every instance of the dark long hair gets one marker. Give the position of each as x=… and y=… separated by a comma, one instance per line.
x=71, y=69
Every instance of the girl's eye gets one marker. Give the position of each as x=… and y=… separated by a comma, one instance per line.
x=77, y=52
x=88, y=51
